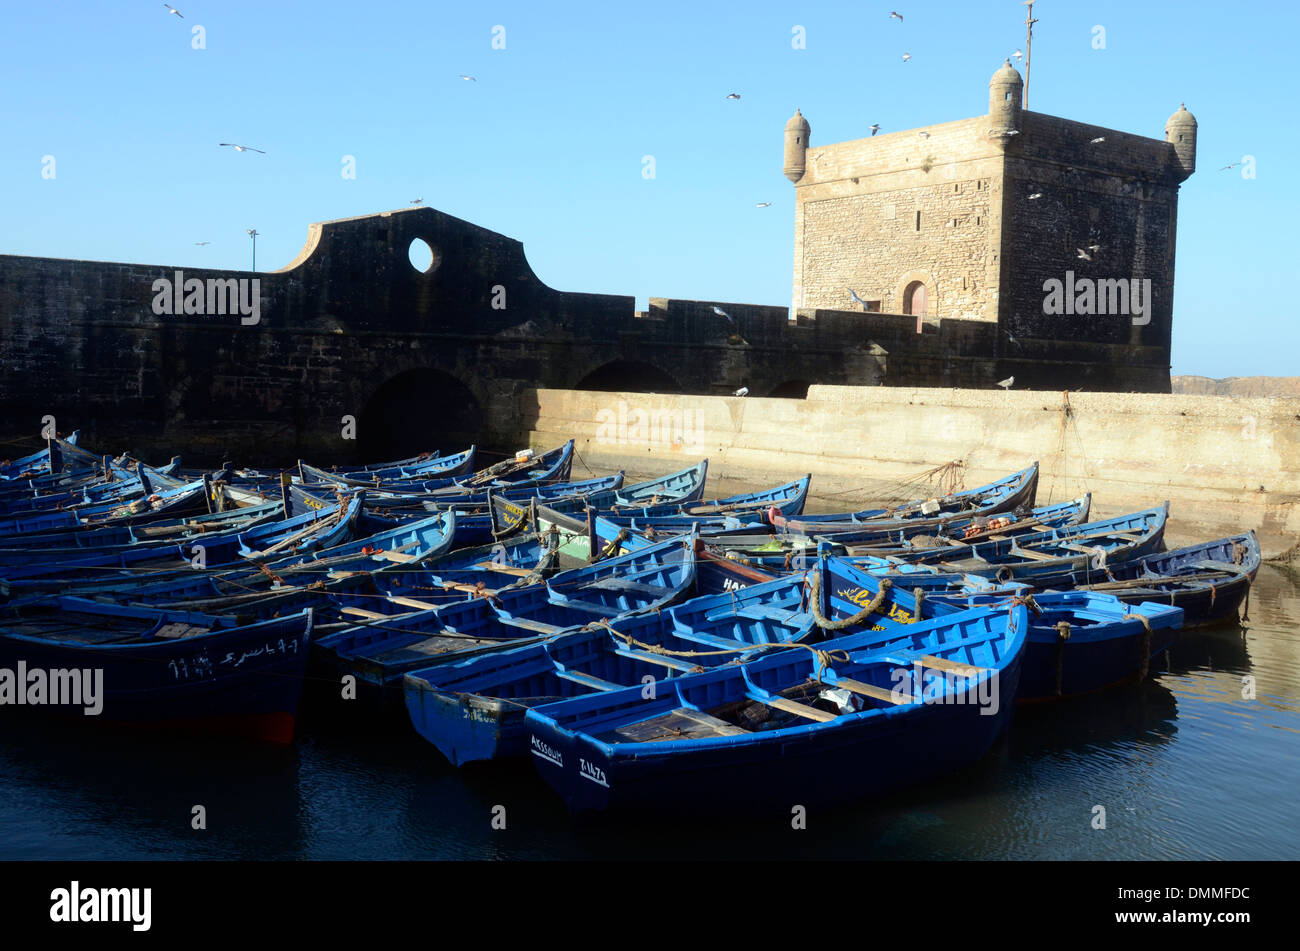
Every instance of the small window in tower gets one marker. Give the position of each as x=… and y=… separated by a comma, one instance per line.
x=918, y=221
x=977, y=221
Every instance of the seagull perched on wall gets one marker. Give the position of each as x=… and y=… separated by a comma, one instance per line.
x=172, y=9
x=895, y=15
x=733, y=95
x=875, y=128
x=853, y=296
x=1035, y=195
x=1006, y=384
x=743, y=391
x=924, y=135
x=1100, y=138
x=907, y=57
x=763, y=204
x=240, y=148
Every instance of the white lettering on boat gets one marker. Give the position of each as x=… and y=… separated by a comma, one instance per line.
x=545, y=752
x=592, y=772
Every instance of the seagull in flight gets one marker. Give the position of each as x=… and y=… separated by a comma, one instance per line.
x=907, y=57
x=1035, y=195
x=417, y=201
x=201, y=243
x=469, y=79
x=722, y=313
x=1100, y=138
x=1007, y=383
x=853, y=296
x=240, y=148
x=1083, y=255
x=875, y=128
x=1013, y=340
x=1226, y=167
x=895, y=15
x=733, y=95
x=763, y=204
x=172, y=9
x=1018, y=55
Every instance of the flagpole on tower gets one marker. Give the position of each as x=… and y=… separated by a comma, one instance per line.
x=1029, y=43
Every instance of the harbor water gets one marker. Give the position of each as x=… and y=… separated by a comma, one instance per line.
x=1183, y=766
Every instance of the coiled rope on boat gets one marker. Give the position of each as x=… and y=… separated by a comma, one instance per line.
x=814, y=603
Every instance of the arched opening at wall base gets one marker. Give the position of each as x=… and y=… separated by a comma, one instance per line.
x=419, y=411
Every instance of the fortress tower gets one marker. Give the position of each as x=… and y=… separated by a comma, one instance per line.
x=970, y=219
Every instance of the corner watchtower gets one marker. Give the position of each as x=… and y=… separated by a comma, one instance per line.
x=797, y=132
x=1005, y=91
x=1180, y=131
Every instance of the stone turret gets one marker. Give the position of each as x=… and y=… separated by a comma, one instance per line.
x=1005, y=92
x=797, y=132
x=1180, y=131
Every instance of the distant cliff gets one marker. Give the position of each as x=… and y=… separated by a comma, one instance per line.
x=1237, y=385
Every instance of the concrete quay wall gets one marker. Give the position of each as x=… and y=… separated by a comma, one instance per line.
x=1225, y=464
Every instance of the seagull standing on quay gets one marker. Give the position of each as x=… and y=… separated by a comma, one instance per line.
x=1006, y=384
x=743, y=391
x=240, y=148
x=172, y=9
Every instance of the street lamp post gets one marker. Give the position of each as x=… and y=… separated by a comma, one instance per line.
x=252, y=233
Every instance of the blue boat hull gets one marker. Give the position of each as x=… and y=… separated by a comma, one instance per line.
x=858, y=762
x=1085, y=663
x=243, y=681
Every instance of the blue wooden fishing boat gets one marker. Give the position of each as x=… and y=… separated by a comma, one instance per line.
x=796, y=727
x=1209, y=581
x=173, y=669
x=400, y=633
x=1005, y=495
x=474, y=709
x=147, y=565
x=427, y=466
x=677, y=488
x=1079, y=641
x=1059, y=557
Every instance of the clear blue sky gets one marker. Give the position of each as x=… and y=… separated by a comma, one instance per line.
x=546, y=146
